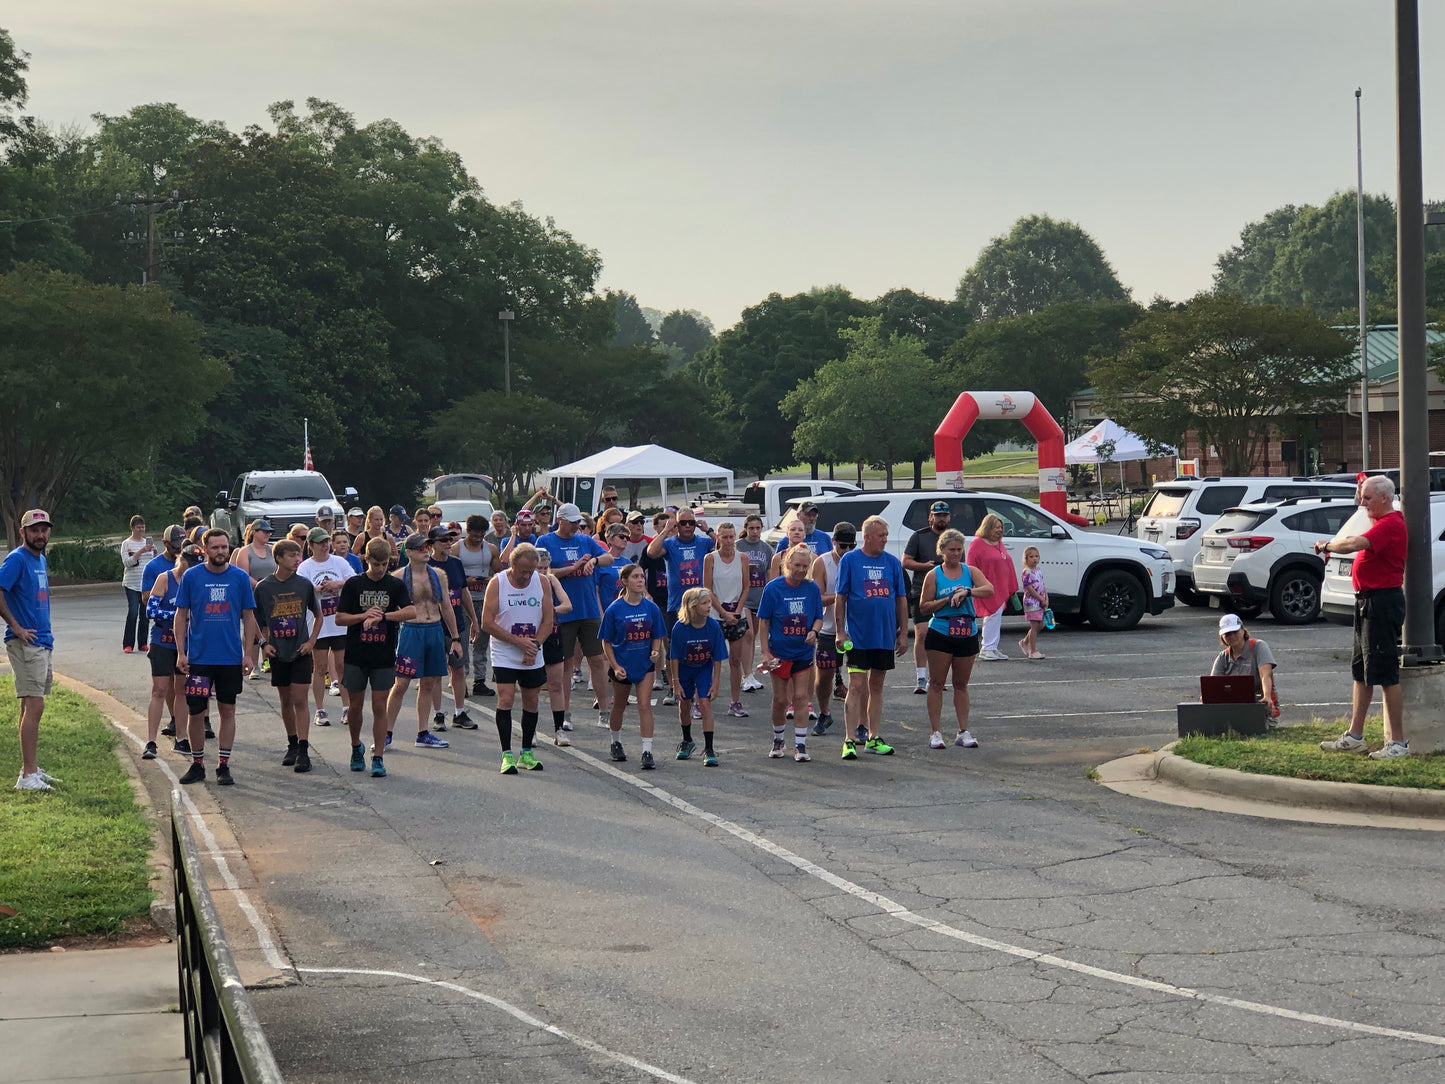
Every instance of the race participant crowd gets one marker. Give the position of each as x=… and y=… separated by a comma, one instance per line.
x=377, y=601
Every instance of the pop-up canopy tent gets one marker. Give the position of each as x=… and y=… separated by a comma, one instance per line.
x=1127, y=447
x=581, y=482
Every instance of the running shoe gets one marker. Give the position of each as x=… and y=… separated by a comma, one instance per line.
x=1345, y=743
x=144, y=648
x=560, y=738
x=303, y=760
x=965, y=740
x=462, y=721
x=812, y=713
x=751, y=684
x=800, y=753
x=211, y=733
x=254, y=675
x=777, y=751
x=265, y=666
x=615, y=752
x=358, y=758
x=223, y=776
x=46, y=776
x=604, y=718
x=668, y=700
x=736, y=710
x=527, y=759
x=289, y=757
x=824, y=722
x=879, y=746
x=647, y=762
x=596, y=703
x=34, y=782
x=860, y=733
x=378, y=768
x=921, y=689
x=709, y=760
x=685, y=749
x=486, y=690
x=478, y=686
x=196, y=773
x=439, y=721
x=181, y=745
x=150, y=751
x=169, y=730
x=427, y=740
x=388, y=740
x=509, y=763
x=567, y=721
x=320, y=719
x=1392, y=751
x=576, y=677
x=850, y=749
x=790, y=711
x=696, y=710
x=935, y=741
x=127, y=650
x=334, y=688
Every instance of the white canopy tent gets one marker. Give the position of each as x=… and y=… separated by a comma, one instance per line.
x=582, y=482
x=1127, y=447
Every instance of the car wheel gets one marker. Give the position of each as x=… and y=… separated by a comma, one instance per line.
x=1189, y=596
x=1115, y=601
x=1294, y=597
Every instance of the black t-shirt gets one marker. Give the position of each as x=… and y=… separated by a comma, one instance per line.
x=285, y=609
x=656, y=569
x=372, y=649
x=923, y=546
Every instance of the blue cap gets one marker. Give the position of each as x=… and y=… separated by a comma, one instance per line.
x=262, y=525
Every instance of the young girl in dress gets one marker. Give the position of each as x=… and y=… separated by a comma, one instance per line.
x=1036, y=601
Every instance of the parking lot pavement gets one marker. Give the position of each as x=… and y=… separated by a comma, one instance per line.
x=986, y=913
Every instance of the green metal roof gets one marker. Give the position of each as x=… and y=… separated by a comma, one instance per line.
x=1382, y=348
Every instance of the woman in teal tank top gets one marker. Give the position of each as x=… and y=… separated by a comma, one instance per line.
x=951, y=642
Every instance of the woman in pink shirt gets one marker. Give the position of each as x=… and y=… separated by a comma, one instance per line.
x=989, y=555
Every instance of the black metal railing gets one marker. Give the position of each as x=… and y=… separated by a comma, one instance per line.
x=224, y=1040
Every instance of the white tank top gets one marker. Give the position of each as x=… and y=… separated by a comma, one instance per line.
x=476, y=563
x=830, y=577
x=519, y=611
x=727, y=579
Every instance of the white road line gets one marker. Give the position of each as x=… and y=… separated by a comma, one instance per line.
x=511, y=1010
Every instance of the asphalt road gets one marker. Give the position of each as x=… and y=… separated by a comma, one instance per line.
x=983, y=915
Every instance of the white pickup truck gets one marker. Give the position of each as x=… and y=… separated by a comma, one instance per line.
x=770, y=498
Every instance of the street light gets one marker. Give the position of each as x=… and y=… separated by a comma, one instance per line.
x=507, y=316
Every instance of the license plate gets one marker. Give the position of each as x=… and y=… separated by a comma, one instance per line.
x=1151, y=536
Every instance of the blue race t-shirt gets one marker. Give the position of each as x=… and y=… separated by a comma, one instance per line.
x=215, y=601
x=356, y=563
x=26, y=582
x=608, y=579
x=630, y=630
x=819, y=542
x=873, y=586
x=152, y=571
x=791, y=613
x=696, y=648
x=582, y=590
x=684, y=565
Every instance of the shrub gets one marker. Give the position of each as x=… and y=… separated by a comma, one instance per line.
x=87, y=559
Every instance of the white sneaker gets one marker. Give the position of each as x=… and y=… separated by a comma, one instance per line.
x=46, y=776
x=1392, y=750
x=560, y=738
x=935, y=741
x=751, y=684
x=320, y=718
x=604, y=720
x=334, y=688
x=254, y=675
x=1345, y=743
x=965, y=740
x=32, y=782
x=994, y=656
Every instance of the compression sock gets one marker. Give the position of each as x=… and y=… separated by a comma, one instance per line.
x=557, y=719
x=707, y=741
x=687, y=732
x=529, y=727
x=504, y=728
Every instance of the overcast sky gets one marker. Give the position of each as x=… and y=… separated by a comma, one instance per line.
x=715, y=151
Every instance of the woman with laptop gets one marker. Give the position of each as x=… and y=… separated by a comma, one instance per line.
x=1246, y=657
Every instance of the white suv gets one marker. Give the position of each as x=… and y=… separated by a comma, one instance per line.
x=1337, y=596
x=1179, y=510
x=1264, y=554
x=1110, y=581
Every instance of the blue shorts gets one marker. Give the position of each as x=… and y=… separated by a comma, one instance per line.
x=692, y=684
x=421, y=650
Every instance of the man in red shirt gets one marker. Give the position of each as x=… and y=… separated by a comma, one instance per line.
x=1378, y=575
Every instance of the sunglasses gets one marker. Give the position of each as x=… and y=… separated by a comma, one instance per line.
x=687, y=523
x=845, y=545
x=609, y=500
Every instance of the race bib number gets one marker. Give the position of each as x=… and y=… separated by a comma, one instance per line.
x=455, y=594
x=406, y=666
x=757, y=575
x=689, y=574
x=524, y=629
x=794, y=625
x=283, y=628
x=198, y=685
x=168, y=637
x=329, y=604
x=877, y=589
x=698, y=654
x=639, y=634
x=373, y=636
x=960, y=625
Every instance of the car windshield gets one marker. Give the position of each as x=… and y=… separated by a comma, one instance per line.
x=299, y=488
x=463, y=489
x=1166, y=502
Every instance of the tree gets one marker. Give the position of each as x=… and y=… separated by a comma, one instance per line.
x=1247, y=269
x=937, y=323
x=688, y=330
x=1038, y=262
x=79, y=364
x=876, y=405
x=14, y=63
x=1227, y=369
x=632, y=325
x=513, y=435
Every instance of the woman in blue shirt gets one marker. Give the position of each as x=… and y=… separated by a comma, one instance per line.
x=951, y=642
x=789, y=617
x=632, y=645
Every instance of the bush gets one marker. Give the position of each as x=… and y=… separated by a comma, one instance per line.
x=87, y=559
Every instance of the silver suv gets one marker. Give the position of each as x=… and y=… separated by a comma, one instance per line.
x=284, y=497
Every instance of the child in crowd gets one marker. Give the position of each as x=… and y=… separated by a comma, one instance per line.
x=698, y=651
x=1036, y=601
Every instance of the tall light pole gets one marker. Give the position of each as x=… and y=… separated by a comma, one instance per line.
x=1360, y=245
x=507, y=316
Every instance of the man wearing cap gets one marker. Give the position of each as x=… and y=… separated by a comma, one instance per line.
x=815, y=539
x=396, y=526
x=173, y=538
x=575, y=560
x=424, y=642
x=464, y=611
x=326, y=517
x=327, y=573
x=355, y=526
x=215, y=615
x=919, y=556
x=25, y=609
x=636, y=544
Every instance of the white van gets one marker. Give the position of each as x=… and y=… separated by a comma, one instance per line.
x=1179, y=510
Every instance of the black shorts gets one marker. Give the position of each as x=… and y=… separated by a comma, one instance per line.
x=872, y=659
x=163, y=661
x=622, y=679
x=355, y=678
x=527, y=679
x=827, y=656
x=298, y=671
x=959, y=647
x=329, y=643
x=205, y=680
x=552, y=652
x=587, y=631
x=1375, y=653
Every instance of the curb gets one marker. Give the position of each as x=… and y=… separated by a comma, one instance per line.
x=83, y=589
x=1311, y=793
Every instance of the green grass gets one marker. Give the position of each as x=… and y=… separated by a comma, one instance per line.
x=72, y=860
x=1294, y=751
x=993, y=463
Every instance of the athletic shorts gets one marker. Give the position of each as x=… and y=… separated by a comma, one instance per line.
x=588, y=631
x=861, y=659
x=958, y=647
x=296, y=672
x=223, y=680
x=694, y=684
x=421, y=650
x=534, y=678
x=355, y=678
x=1375, y=653
x=632, y=678
x=552, y=652
x=788, y=668
x=30, y=664
x=328, y=643
x=827, y=654
x=163, y=661
x=462, y=662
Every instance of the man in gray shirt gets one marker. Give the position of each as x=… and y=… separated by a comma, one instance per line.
x=289, y=611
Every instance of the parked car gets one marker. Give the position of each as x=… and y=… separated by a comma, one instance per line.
x=1337, y=594
x=1179, y=510
x=462, y=495
x=1110, y=581
x=1437, y=477
x=770, y=499
x=284, y=497
x=1263, y=554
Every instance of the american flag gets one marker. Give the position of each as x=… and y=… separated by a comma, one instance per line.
x=307, y=464
x=306, y=461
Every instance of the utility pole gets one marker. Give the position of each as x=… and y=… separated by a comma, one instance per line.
x=153, y=204
x=1364, y=331
x=507, y=316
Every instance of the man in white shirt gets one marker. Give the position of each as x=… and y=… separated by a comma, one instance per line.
x=327, y=573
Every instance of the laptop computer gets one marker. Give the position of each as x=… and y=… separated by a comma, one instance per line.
x=1227, y=689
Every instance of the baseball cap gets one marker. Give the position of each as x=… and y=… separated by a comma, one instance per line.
x=325, y=511
x=415, y=542
x=807, y=506
x=939, y=506
x=357, y=511
x=570, y=512
x=263, y=525
x=318, y=534
x=439, y=534
x=844, y=532
x=635, y=516
x=525, y=516
x=192, y=554
x=1230, y=623
x=35, y=517
x=398, y=510
x=174, y=536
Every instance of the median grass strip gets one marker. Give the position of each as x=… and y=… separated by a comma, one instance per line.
x=1294, y=751
x=72, y=860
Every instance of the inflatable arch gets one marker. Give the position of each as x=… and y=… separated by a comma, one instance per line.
x=1022, y=406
